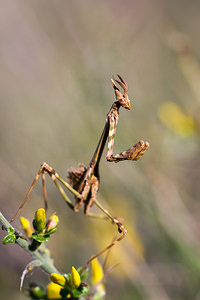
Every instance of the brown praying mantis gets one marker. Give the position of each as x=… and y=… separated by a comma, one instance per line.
x=83, y=182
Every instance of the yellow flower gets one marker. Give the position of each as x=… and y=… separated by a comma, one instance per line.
x=75, y=279
x=58, y=279
x=53, y=291
x=28, y=229
x=97, y=274
x=40, y=219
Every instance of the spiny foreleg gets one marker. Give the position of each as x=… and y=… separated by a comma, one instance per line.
x=133, y=153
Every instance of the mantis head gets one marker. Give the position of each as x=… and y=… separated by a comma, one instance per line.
x=122, y=99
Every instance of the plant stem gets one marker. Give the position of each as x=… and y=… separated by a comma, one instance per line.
x=43, y=258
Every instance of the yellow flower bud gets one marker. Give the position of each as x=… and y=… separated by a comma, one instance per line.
x=52, y=223
x=53, y=291
x=75, y=279
x=40, y=219
x=58, y=279
x=97, y=274
x=27, y=227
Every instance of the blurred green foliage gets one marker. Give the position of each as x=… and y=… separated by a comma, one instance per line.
x=56, y=60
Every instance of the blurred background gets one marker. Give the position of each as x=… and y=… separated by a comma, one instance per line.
x=56, y=61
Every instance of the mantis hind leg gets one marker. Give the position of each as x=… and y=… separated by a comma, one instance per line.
x=46, y=169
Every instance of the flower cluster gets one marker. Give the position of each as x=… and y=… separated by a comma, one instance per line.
x=43, y=228
x=72, y=285
x=64, y=286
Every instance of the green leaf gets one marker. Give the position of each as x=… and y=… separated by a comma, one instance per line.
x=10, y=230
x=10, y=238
x=36, y=291
x=52, y=231
x=81, y=290
x=40, y=238
x=84, y=273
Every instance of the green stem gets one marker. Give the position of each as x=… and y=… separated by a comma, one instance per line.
x=43, y=258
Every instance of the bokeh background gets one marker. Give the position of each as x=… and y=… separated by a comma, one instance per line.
x=56, y=61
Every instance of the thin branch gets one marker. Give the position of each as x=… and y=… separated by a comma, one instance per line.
x=44, y=259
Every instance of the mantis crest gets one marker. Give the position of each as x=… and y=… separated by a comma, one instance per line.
x=83, y=182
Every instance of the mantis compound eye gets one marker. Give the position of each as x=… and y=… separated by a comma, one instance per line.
x=128, y=105
x=125, y=102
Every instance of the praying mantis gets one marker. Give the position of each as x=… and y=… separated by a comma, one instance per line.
x=83, y=182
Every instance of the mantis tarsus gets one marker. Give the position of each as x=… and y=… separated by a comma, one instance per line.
x=83, y=182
